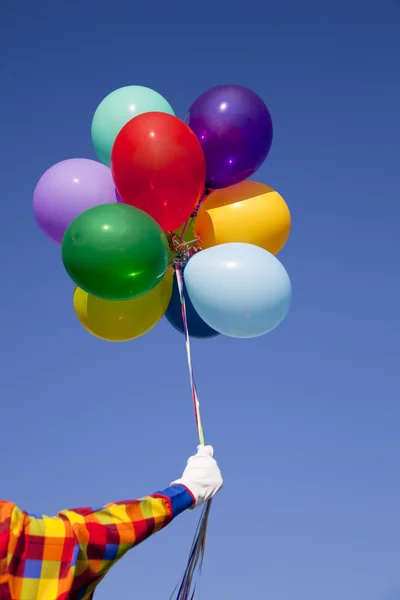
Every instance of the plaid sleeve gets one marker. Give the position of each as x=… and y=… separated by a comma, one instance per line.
x=65, y=557
x=105, y=534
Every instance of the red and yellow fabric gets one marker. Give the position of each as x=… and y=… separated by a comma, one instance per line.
x=65, y=557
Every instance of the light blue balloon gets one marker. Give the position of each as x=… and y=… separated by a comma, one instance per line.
x=117, y=109
x=240, y=290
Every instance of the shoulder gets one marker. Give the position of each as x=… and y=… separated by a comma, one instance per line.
x=7, y=517
x=5, y=506
x=12, y=518
x=8, y=510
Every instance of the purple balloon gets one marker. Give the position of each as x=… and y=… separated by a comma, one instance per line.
x=234, y=127
x=67, y=189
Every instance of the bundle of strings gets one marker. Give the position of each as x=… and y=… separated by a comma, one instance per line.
x=189, y=584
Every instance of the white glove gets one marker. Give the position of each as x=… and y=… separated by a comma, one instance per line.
x=202, y=476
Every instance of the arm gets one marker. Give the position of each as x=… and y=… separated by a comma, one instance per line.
x=105, y=534
x=46, y=557
x=58, y=557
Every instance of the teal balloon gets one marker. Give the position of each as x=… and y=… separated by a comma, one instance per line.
x=239, y=290
x=117, y=109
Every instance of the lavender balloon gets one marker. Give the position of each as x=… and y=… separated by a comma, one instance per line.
x=234, y=128
x=67, y=189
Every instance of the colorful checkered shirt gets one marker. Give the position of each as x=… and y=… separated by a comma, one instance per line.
x=66, y=557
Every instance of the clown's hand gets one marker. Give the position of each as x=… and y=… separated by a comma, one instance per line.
x=202, y=476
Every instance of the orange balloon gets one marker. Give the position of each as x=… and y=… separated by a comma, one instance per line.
x=248, y=212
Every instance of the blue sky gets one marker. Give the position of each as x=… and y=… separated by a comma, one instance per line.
x=305, y=421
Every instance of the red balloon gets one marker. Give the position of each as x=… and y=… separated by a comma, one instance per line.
x=158, y=166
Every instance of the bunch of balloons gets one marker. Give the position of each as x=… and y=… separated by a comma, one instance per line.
x=169, y=194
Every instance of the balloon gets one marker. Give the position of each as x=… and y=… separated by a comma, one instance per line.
x=116, y=321
x=115, y=252
x=67, y=189
x=158, y=165
x=117, y=109
x=248, y=212
x=196, y=326
x=235, y=130
x=238, y=289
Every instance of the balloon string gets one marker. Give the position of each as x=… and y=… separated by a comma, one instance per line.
x=196, y=403
x=184, y=228
x=190, y=580
x=205, y=193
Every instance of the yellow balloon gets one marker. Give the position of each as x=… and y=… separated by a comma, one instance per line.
x=120, y=321
x=247, y=212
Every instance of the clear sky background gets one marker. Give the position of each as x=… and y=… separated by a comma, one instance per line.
x=306, y=420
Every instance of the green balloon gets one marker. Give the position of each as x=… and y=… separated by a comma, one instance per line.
x=115, y=251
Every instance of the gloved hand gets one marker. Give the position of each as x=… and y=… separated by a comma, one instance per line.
x=202, y=476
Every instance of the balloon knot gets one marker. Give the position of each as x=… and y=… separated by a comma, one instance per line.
x=181, y=250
